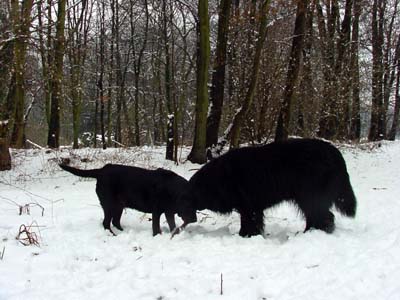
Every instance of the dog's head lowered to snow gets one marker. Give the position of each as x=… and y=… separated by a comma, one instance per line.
x=186, y=208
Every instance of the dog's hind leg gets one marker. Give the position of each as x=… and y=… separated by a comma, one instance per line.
x=116, y=217
x=105, y=201
x=170, y=220
x=251, y=223
x=315, y=209
x=156, y=223
x=107, y=220
x=325, y=221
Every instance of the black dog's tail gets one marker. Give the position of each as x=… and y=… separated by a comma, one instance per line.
x=346, y=203
x=94, y=173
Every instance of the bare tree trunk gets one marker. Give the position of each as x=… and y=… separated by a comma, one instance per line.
x=158, y=107
x=78, y=26
x=111, y=78
x=198, y=152
x=328, y=122
x=282, y=129
x=168, y=84
x=45, y=55
x=343, y=73
x=7, y=83
x=233, y=132
x=49, y=59
x=110, y=94
x=396, y=112
x=306, y=93
x=389, y=69
x=53, y=140
x=355, y=120
x=100, y=83
x=119, y=96
x=5, y=157
x=137, y=65
x=21, y=19
x=96, y=114
x=376, y=127
x=218, y=74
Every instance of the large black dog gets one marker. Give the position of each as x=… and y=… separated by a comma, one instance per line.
x=308, y=172
x=149, y=191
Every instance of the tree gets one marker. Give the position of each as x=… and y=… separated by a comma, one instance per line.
x=389, y=58
x=100, y=82
x=282, y=129
x=198, y=152
x=6, y=59
x=5, y=157
x=327, y=27
x=355, y=119
x=45, y=50
x=306, y=94
x=218, y=74
x=131, y=65
x=235, y=128
x=168, y=82
x=335, y=43
x=396, y=110
x=377, y=108
x=79, y=16
x=21, y=20
x=342, y=71
x=138, y=65
x=53, y=139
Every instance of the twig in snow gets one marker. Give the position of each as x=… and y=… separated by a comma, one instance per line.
x=34, y=144
x=119, y=144
x=26, y=236
x=27, y=208
x=9, y=200
x=2, y=253
x=221, y=285
x=30, y=193
x=312, y=266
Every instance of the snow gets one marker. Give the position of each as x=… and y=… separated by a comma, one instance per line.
x=77, y=259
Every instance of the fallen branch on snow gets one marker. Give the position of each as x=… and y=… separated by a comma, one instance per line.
x=26, y=236
x=2, y=253
x=27, y=208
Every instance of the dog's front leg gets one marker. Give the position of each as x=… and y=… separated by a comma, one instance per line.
x=156, y=223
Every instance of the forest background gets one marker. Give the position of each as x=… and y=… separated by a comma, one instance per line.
x=122, y=73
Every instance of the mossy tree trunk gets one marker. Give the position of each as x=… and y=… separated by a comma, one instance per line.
x=198, y=152
x=21, y=19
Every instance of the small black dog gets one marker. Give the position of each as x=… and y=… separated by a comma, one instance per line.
x=148, y=191
x=309, y=173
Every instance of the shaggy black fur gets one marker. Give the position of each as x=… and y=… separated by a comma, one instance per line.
x=149, y=191
x=308, y=172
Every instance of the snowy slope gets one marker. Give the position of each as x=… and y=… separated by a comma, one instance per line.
x=77, y=259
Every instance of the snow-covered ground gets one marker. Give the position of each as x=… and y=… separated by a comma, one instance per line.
x=77, y=259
